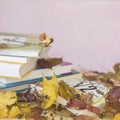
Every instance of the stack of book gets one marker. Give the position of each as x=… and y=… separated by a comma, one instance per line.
x=18, y=62
x=20, y=54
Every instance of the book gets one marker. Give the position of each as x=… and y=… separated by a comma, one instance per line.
x=22, y=84
x=15, y=59
x=16, y=67
x=18, y=63
x=63, y=67
x=96, y=88
x=30, y=51
x=22, y=45
x=20, y=54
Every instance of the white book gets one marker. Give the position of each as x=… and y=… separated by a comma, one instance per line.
x=17, y=69
x=63, y=68
x=15, y=59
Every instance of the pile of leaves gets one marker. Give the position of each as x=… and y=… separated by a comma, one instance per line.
x=110, y=77
x=113, y=100
x=10, y=107
x=30, y=103
x=112, y=81
x=42, y=104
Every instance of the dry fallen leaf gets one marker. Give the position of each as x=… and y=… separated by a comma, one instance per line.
x=48, y=63
x=43, y=63
x=36, y=113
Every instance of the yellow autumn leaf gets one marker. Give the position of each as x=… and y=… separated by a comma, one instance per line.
x=14, y=112
x=22, y=104
x=7, y=98
x=49, y=90
x=26, y=109
x=116, y=117
x=4, y=112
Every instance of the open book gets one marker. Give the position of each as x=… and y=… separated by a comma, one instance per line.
x=22, y=45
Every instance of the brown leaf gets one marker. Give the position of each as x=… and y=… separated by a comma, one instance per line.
x=48, y=63
x=36, y=113
x=113, y=97
x=43, y=63
x=55, y=61
x=83, y=117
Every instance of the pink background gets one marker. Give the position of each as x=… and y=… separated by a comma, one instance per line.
x=86, y=33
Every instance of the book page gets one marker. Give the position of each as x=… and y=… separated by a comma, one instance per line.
x=9, y=39
x=19, y=38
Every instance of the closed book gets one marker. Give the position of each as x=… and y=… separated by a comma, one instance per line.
x=16, y=67
x=32, y=77
x=15, y=59
x=63, y=67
